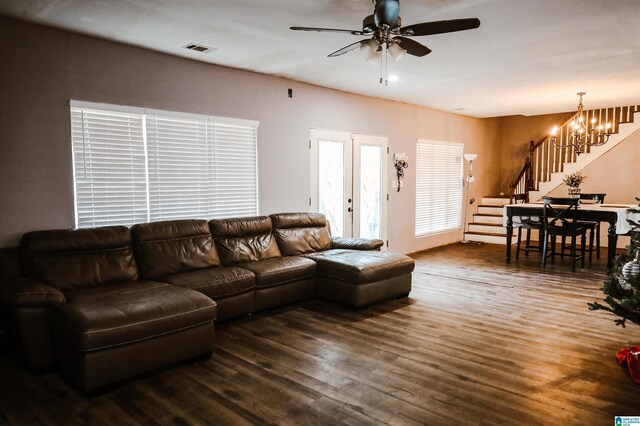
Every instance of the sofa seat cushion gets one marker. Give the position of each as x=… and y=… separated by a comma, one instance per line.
x=281, y=270
x=217, y=283
x=361, y=267
x=109, y=316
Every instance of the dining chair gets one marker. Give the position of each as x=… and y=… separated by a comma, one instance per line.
x=597, y=199
x=559, y=218
x=529, y=224
x=592, y=227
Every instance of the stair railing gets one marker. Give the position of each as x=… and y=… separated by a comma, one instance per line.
x=545, y=158
x=520, y=187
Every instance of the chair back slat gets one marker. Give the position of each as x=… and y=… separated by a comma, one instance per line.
x=559, y=212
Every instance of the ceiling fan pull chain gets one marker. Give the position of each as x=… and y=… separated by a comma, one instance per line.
x=386, y=67
x=381, y=70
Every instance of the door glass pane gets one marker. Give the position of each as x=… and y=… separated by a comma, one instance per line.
x=370, y=176
x=331, y=184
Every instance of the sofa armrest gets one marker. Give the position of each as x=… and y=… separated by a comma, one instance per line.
x=20, y=292
x=355, y=243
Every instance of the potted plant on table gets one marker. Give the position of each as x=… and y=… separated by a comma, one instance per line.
x=573, y=181
x=622, y=290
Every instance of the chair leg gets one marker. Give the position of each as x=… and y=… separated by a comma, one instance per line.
x=543, y=257
x=529, y=242
x=583, y=243
x=553, y=249
x=564, y=243
x=518, y=242
x=591, y=237
x=598, y=240
x=573, y=253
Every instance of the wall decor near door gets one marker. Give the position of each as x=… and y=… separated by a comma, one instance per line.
x=400, y=163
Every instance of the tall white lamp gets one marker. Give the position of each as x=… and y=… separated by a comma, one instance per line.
x=470, y=179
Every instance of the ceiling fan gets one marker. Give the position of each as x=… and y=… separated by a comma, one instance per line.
x=387, y=32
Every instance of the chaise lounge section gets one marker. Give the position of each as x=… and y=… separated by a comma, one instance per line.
x=105, y=324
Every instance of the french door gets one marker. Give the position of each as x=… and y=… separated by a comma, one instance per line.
x=348, y=182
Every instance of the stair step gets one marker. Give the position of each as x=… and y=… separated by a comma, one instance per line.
x=493, y=219
x=495, y=201
x=487, y=228
x=490, y=238
x=487, y=209
x=493, y=234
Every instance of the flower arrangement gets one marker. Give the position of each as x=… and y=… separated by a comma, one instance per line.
x=574, y=179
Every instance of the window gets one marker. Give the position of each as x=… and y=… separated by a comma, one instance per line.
x=133, y=165
x=438, y=187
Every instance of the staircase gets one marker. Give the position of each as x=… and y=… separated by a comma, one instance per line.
x=625, y=130
x=486, y=225
x=544, y=169
x=546, y=165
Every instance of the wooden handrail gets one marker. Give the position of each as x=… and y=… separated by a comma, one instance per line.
x=527, y=165
x=526, y=170
x=534, y=145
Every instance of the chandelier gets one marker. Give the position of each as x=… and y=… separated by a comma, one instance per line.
x=580, y=135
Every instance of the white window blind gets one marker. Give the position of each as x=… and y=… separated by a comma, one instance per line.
x=438, y=187
x=158, y=165
x=109, y=167
x=180, y=168
x=235, y=168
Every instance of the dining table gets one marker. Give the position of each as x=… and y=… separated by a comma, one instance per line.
x=616, y=215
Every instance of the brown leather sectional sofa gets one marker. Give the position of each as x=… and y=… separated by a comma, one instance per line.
x=106, y=304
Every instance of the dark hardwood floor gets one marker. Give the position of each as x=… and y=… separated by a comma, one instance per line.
x=477, y=342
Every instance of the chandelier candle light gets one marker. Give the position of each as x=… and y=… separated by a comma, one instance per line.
x=580, y=135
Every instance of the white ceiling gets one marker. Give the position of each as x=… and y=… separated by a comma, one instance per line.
x=528, y=56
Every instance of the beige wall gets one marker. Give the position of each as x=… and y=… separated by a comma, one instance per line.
x=516, y=133
x=42, y=69
x=616, y=173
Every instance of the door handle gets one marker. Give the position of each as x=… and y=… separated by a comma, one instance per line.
x=349, y=209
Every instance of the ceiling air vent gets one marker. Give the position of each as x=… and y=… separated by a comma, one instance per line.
x=199, y=48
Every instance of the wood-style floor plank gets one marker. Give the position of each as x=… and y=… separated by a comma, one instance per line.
x=478, y=341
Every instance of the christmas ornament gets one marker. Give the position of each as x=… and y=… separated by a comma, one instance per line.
x=624, y=284
x=630, y=270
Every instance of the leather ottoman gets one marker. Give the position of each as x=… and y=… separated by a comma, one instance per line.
x=110, y=333
x=360, y=278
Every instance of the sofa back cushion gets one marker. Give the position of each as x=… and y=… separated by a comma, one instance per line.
x=244, y=240
x=300, y=233
x=169, y=247
x=80, y=258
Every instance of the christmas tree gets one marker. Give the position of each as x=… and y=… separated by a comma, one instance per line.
x=622, y=286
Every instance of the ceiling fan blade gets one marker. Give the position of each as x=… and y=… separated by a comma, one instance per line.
x=440, y=27
x=412, y=47
x=328, y=30
x=349, y=48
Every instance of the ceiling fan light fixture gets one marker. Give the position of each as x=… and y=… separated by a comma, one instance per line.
x=375, y=57
x=396, y=51
x=369, y=48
